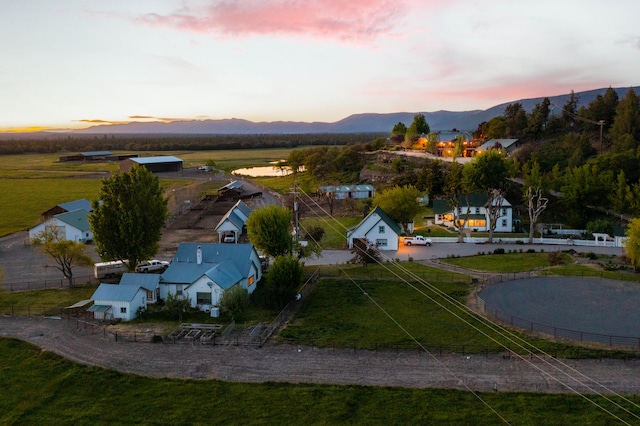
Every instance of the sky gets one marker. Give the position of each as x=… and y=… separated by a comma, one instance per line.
x=77, y=63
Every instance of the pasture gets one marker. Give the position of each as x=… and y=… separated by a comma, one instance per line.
x=34, y=183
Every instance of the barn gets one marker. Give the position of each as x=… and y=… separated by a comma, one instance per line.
x=158, y=164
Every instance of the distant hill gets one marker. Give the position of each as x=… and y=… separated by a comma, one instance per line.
x=357, y=123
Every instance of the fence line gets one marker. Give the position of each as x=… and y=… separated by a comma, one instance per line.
x=48, y=284
x=557, y=332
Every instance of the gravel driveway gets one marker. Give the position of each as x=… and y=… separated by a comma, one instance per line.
x=292, y=364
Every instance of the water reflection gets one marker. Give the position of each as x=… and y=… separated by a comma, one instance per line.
x=265, y=171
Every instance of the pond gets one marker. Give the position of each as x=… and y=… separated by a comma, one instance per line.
x=264, y=171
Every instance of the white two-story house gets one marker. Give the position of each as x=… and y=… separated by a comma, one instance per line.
x=474, y=208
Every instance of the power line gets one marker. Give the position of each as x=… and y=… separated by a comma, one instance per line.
x=507, y=335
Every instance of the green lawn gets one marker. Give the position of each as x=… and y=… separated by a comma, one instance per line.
x=40, y=387
x=508, y=262
x=335, y=229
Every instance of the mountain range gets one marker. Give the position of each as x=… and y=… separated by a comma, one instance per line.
x=356, y=123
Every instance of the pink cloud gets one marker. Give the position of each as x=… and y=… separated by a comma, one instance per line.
x=338, y=19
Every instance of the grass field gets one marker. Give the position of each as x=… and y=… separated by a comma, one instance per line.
x=508, y=262
x=40, y=387
x=34, y=183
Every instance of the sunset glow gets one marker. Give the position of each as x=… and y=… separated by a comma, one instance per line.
x=74, y=64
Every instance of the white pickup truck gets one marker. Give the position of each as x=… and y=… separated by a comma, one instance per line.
x=152, y=266
x=418, y=240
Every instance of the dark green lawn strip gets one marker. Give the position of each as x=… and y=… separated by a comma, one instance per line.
x=508, y=262
x=41, y=388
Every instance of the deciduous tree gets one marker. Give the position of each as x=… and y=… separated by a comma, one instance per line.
x=128, y=216
x=488, y=173
x=284, y=279
x=234, y=301
x=400, y=203
x=632, y=245
x=533, y=194
x=65, y=253
x=269, y=229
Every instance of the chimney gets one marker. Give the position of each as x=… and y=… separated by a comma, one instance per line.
x=199, y=256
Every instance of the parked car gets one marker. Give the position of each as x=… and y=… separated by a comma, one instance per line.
x=152, y=266
x=229, y=238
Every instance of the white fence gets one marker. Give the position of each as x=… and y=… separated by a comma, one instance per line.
x=618, y=242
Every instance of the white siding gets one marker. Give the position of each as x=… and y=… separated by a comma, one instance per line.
x=371, y=230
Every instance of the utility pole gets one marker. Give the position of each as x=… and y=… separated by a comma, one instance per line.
x=601, y=123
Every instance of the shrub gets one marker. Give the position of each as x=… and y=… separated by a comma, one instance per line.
x=590, y=255
x=499, y=250
x=556, y=258
x=519, y=242
x=531, y=250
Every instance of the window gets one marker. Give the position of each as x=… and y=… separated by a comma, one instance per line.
x=477, y=210
x=381, y=229
x=504, y=223
x=123, y=310
x=251, y=280
x=504, y=211
x=381, y=242
x=203, y=298
x=178, y=290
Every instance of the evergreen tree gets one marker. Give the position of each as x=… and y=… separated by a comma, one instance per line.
x=625, y=132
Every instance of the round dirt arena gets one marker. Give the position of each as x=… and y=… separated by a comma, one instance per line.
x=583, y=304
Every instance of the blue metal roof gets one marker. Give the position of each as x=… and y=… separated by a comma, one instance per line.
x=115, y=292
x=156, y=160
x=95, y=153
x=216, y=259
x=146, y=281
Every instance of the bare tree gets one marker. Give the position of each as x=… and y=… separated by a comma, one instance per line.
x=536, y=204
x=495, y=199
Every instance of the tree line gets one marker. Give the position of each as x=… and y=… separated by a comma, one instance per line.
x=51, y=143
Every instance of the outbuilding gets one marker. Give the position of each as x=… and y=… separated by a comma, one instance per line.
x=158, y=164
x=113, y=301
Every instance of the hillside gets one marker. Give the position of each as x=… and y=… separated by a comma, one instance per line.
x=356, y=123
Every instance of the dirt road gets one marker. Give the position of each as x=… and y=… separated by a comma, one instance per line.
x=292, y=364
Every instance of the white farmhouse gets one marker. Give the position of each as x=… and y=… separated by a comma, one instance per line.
x=378, y=228
x=473, y=207
x=203, y=272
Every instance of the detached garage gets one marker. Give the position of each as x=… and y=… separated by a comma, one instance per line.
x=159, y=164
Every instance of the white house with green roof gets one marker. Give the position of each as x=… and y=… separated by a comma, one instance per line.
x=473, y=207
x=73, y=225
x=203, y=272
x=378, y=228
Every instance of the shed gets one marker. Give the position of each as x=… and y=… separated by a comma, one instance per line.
x=158, y=164
x=113, y=301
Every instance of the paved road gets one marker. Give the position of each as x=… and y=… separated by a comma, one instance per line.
x=293, y=364
x=443, y=250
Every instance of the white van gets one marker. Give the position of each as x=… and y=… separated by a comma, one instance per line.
x=109, y=269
